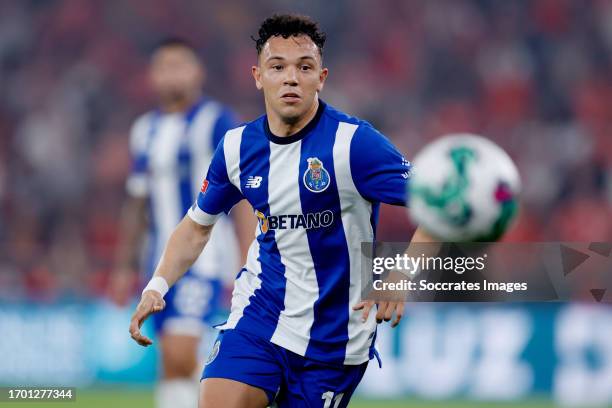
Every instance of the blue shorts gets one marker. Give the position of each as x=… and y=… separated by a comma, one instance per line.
x=191, y=304
x=288, y=379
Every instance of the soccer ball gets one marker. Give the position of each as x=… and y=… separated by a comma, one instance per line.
x=463, y=188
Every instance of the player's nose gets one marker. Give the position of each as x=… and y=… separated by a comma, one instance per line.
x=291, y=77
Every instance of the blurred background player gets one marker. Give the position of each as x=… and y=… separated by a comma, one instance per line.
x=171, y=147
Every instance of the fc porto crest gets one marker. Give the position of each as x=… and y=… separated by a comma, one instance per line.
x=316, y=178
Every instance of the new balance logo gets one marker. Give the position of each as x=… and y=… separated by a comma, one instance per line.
x=253, y=182
x=407, y=164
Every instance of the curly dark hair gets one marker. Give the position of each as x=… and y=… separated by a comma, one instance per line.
x=289, y=25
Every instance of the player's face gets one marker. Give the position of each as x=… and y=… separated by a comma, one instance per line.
x=175, y=73
x=290, y=73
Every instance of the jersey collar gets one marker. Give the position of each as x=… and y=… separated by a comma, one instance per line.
x=300, y=134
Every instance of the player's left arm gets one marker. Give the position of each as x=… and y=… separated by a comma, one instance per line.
x=381, y=174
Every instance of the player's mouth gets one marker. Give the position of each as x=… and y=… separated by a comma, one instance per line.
x=290, y=97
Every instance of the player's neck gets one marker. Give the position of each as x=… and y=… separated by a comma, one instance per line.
x=180, y=105
x=282, y=129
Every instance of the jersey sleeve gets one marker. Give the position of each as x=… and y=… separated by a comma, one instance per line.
x=217, y=195
x=379, y=170
x=137, y=183
x=225, y=121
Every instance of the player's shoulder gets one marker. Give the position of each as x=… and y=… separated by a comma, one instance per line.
x=143, y=120
x=252, y=126
x=233, y=134
x=340, y=116
x=364, y=131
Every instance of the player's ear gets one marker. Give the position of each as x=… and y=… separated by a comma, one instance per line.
x=257, y=76
x=322, y=77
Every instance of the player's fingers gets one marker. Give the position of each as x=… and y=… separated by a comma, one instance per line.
x=399, y=313
x=389, y=311
x=143, y=310
x=380, y=314
x=151, y=302
x=366, y=306
x=143, y=340
x=360, y=305
x=137, y=335
x=159, y=305
x=366, y=311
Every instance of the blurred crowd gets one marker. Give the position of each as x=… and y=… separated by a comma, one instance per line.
x=534, y=76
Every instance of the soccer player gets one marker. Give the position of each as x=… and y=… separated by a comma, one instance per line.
x=171, y=147
x=298, y=334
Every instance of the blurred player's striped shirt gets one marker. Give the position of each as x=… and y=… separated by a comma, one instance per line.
x=170, y=152
x=316, y=194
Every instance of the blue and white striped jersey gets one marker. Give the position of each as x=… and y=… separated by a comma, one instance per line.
x=170, y=152
x=316, y=195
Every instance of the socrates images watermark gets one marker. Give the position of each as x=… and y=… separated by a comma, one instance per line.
x=487, y=272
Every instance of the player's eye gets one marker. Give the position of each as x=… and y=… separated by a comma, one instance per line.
x=277, y=67
x=306, y=67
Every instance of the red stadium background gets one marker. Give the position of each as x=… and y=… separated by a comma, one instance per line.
x=533, y=76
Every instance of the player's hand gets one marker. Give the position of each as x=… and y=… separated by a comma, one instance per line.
x=384, y=312
x=151, y=302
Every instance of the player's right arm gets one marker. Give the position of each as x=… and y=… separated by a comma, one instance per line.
x=217, y=195
x=182, y=250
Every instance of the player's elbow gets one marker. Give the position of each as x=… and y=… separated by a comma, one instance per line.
x=194, y=234
x=202, y=235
